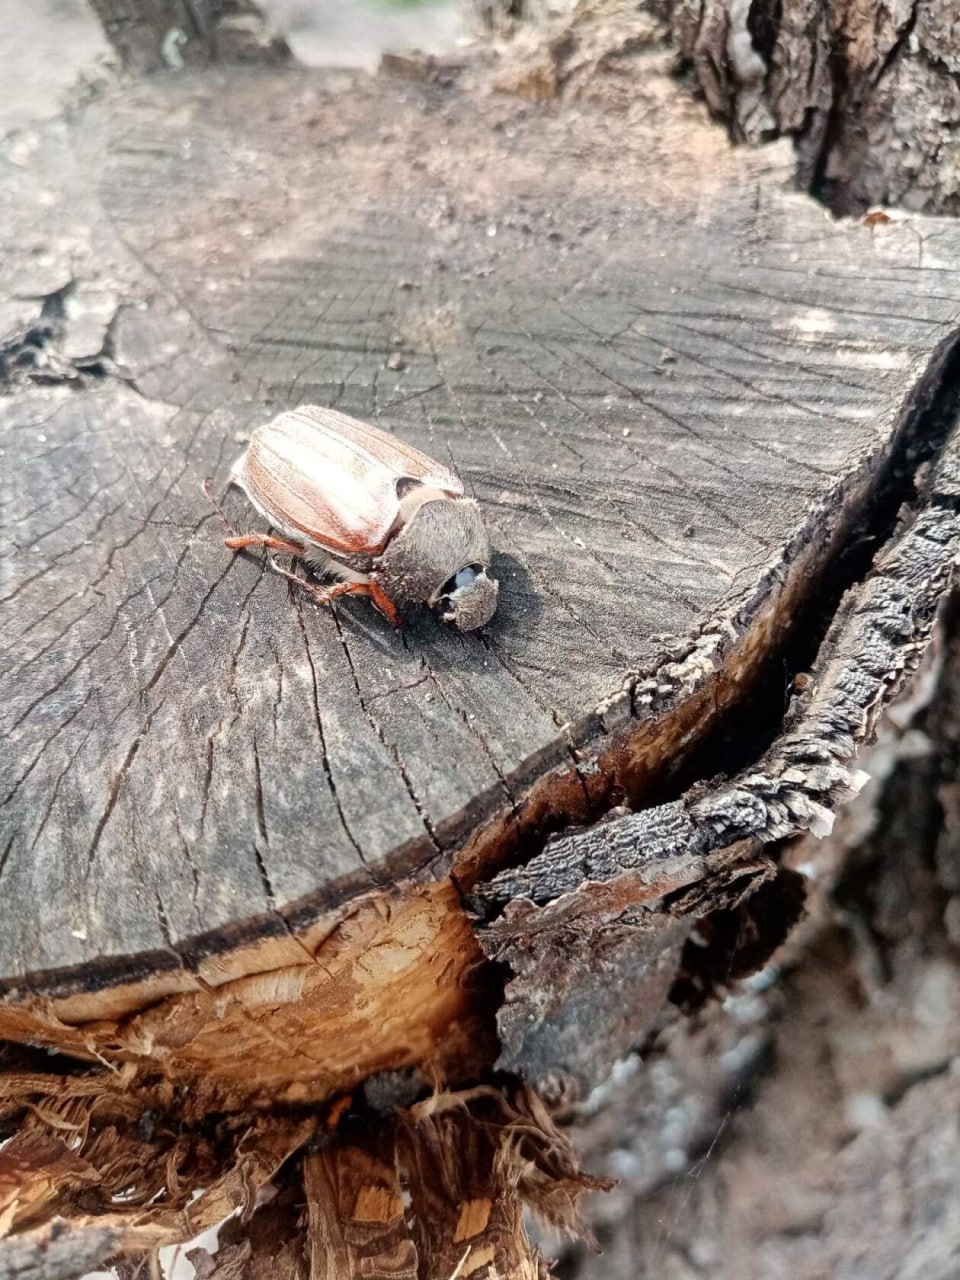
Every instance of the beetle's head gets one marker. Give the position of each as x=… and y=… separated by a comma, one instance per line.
x=469, y=598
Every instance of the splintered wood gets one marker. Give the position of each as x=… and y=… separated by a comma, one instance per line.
x=440, y=1193
x=356, y=1215
x=430, y=1193
x=141, y=1163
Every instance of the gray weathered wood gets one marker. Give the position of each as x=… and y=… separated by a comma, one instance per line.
x=665, y=378
x=56, y=1251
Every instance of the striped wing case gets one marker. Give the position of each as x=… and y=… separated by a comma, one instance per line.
x=318, y=475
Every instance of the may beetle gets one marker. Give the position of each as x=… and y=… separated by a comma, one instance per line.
x=358, y=504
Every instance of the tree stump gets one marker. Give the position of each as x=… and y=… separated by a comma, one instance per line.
x=259, y=858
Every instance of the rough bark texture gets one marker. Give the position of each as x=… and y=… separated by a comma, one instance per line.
x=759, y=1135
x=649, y=859
x=868, y=89
x=58, y=1251
x=172, y=34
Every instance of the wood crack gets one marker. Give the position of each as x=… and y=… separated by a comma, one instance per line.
x=115, y=786
x=803, y=764
x=323, y=746
x=391, y=747
x=478, y=737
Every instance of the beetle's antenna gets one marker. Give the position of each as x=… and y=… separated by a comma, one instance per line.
x=205, y=489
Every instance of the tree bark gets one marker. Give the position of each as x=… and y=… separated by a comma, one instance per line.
x=868, y=91
x=822, y=1088
x=172, y=34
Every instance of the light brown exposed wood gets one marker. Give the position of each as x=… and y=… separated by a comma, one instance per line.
x=139, y=1165
x=356, y=1215
x=432, y=1188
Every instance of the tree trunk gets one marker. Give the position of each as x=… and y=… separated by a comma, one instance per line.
x=868, y=90
x=816, y=1099
x=171, y=34
x=269, y=871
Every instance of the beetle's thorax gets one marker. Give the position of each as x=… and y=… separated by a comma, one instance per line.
x=413, y=497
x=439, y=536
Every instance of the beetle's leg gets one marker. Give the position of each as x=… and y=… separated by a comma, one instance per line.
x=205, y=490
x=384, y=603
x=376, y=594
x=241, y=541
x=324, y=595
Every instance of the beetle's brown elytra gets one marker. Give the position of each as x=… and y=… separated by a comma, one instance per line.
x=357, y=503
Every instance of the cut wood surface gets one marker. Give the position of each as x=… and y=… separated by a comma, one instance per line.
x=675, y=388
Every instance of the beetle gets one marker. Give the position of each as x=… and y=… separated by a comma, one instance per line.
x=358, y=504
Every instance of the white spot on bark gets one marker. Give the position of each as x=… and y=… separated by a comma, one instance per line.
x=173, y=41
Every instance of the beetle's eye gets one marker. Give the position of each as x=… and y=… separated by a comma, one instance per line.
x=461, y=579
